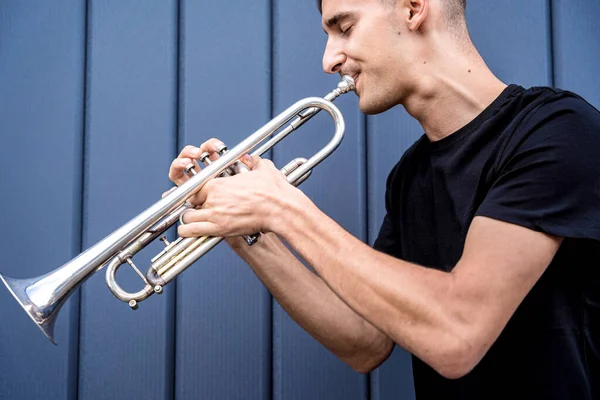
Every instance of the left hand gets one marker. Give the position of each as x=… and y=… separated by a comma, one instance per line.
x=242, y=204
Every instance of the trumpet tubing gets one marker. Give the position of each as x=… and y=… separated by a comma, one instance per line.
x=42, y=297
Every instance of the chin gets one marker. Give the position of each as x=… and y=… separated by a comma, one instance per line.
x=375, y=106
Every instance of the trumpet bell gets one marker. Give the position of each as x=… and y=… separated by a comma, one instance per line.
x=44, y=315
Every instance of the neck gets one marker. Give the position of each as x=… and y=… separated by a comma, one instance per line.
x=451, y=91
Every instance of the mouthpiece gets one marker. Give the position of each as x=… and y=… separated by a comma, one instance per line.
x=346, y=85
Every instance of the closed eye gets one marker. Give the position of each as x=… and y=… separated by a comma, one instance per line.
x=347, y=30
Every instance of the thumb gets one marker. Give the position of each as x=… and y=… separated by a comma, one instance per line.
x=250, y=161
x=168, y=192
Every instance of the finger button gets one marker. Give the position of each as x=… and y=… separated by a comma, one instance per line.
x=190, y=169
x=204, y=158
x=221, y=149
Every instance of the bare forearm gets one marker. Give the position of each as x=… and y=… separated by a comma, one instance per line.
x=312, y=304
x=405, y=301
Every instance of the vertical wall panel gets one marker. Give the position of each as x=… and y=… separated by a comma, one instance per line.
x=223, y=311
x=576, y=57
x=131, y=105
x=515, y=46
x=304, y=369
x=216, y=334
x=41, y=120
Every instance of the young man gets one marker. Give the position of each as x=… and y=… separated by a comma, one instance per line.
x=485, y=268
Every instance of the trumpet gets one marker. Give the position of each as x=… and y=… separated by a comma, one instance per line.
x=42, y=297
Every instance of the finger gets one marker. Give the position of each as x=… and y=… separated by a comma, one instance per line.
x=168, y=192
x=195, y=215
x=176, y=174
x=177, y=170
x=200, y=197
x=263, y=163
x=249, y=161
x=190, y=151
x=196, y=229
x=212, y=147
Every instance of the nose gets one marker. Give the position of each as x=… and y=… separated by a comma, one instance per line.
x=333, y=58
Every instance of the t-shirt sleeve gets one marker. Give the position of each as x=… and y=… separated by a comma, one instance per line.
x=548, y=175
x=388, y=239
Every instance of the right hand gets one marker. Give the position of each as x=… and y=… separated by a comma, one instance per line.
x=190, y=154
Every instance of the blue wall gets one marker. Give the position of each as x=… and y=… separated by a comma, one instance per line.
x=97, y=98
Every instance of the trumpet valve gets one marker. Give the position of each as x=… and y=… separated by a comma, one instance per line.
x=168, y=246
x=190, y=169
x=204, y=158
x=221, y=149
x=165, y=240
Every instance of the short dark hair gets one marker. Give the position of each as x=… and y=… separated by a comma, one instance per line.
x=455, y=9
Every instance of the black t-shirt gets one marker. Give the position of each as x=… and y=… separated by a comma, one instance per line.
x=531, y=158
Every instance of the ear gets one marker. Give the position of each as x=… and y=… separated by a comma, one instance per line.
x=415, y=13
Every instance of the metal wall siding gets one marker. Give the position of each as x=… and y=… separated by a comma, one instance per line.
x=305, y=369
x=130, y=133
x=576, y=32
x=41, y=123
x=223, y=312
x=98, y=97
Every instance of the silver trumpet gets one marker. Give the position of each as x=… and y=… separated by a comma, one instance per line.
x=43, y=296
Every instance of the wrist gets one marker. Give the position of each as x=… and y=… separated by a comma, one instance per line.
x=290, y=205
x=236, y=242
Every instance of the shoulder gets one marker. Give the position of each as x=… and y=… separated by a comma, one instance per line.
x=543, y=105
x=550, y=120
x=546, y=171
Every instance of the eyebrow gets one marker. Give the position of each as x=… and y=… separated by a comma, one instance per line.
x=337, y=18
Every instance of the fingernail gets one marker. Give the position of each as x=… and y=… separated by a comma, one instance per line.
x=248, y=158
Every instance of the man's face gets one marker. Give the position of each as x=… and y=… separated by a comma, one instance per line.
x=366, y=40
